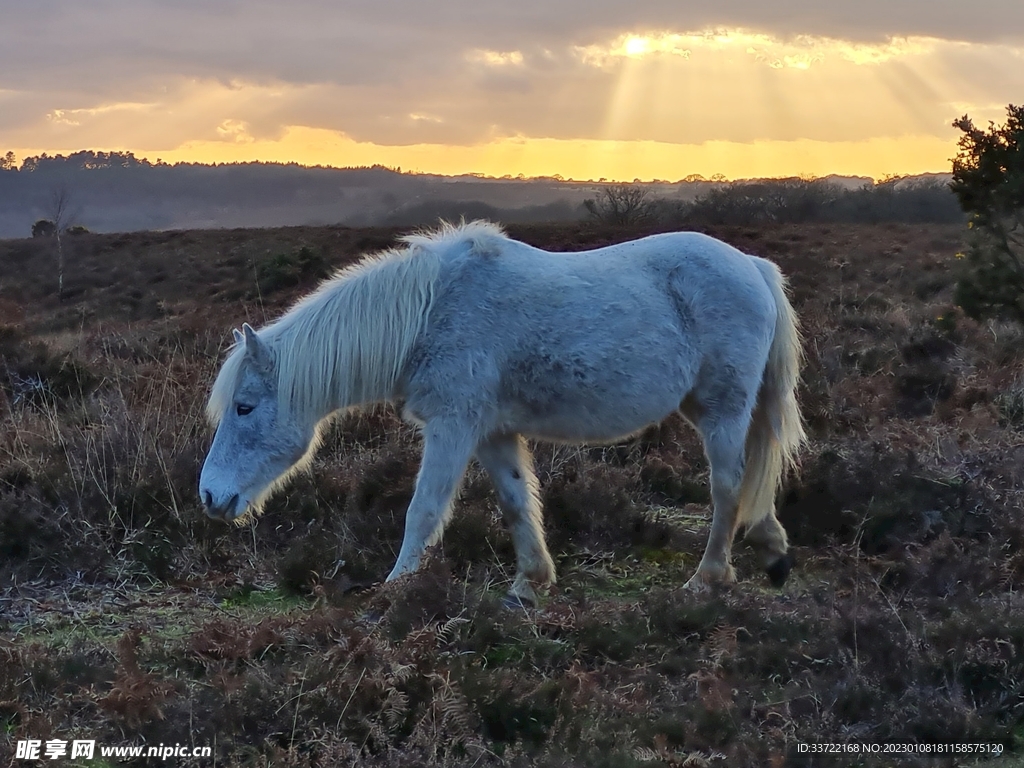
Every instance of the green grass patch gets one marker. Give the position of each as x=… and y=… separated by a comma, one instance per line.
x=631, y=576
x=252, y=599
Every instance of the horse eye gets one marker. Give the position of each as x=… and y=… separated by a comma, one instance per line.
x=243, y=410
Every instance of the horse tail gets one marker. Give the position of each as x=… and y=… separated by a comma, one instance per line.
x=776, y=429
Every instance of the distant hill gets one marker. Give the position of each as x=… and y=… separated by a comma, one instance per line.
x=119, y=192
x=111, y=192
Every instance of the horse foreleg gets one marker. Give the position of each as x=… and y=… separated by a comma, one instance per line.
x=509, y=465
x=446, y=450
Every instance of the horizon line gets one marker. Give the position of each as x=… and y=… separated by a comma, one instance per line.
x=696, y=178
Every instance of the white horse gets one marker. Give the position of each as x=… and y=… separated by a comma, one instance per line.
x=488, y=340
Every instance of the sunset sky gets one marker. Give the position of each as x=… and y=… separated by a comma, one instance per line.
x=581, y=88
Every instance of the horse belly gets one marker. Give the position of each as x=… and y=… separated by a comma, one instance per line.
x=561, y=430
x=567, y=409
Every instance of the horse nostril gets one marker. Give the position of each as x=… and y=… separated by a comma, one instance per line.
x=207, y=499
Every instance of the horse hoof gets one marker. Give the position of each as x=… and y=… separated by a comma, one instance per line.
x=707, y=578
x=517, y=603
x=696, y=584
x=778, y=571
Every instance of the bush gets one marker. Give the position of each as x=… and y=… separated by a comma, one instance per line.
x=820, y=200
x=44, y=228
x=622, y=204
x=31, y=372
x=766, y=201
x=288, y=269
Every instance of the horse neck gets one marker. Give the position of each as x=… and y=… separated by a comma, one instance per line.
x=347, y=344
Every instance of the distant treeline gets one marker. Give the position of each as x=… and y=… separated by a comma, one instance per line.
x=911, y=200
x=88, y=160
x=116, y=191
x=915, y=200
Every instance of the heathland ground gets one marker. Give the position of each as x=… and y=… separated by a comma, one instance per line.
x=128, y=617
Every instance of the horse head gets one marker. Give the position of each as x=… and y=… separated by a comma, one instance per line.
x=258, y=444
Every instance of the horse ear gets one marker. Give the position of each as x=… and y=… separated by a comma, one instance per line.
x=239, y=338
x=255, y=348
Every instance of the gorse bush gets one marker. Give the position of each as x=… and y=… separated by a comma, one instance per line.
x=285, y=270
x=988, y=180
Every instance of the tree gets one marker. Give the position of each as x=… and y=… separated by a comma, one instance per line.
x=621, y=204
x=988, y=180
x=8, y=162
x=43, y=228
x=60, y=217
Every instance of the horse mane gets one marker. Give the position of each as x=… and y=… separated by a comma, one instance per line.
x=347, y=342
x=482, y=236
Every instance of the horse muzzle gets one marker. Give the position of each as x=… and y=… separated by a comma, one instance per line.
x=227, y=510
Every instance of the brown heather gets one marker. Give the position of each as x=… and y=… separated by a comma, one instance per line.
x=126, y=616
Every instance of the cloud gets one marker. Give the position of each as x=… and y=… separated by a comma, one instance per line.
x=495, y=58
x=155, y=75
x=798, y=52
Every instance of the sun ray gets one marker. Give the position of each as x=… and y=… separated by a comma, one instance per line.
x=640, y=104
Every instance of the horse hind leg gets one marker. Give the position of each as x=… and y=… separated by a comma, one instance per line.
x=746, y=462
x=768, y=538
x=508, y=463
x=766, y=462
x=724, y=444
